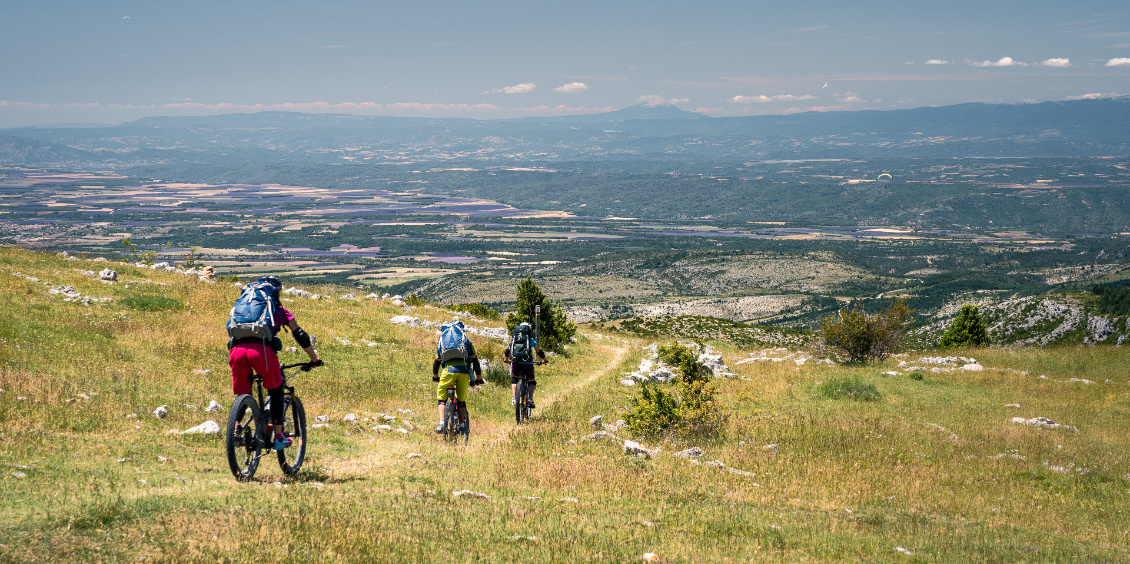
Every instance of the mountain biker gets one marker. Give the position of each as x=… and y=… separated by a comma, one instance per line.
x=456, y=372
x=255, y=354
x=522, y=363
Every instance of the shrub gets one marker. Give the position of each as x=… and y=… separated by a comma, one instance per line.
x=854, y=335
x=556, y=329
x=848, y=388
x=966, y=330
x=691, y=409
x=917, y=376
x=477, y=310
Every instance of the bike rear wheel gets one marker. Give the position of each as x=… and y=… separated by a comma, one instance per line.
x=294, y=427
x=243, y=437
x=521, y=412
x=451, y=421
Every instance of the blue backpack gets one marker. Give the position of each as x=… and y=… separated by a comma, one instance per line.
x=253, y=314
x=453, y=343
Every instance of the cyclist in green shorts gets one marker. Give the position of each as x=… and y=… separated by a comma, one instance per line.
x=456, y=371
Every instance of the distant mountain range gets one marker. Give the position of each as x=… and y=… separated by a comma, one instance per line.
x=1072, y=128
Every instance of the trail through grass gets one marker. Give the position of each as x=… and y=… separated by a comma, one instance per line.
x=934, y=465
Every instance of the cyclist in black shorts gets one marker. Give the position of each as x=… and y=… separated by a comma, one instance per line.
x=520, y=355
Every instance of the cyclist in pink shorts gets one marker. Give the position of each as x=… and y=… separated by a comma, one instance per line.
x=261, y=356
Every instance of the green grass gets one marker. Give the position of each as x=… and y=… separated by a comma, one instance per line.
x=935, y=466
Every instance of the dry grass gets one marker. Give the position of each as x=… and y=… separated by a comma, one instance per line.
x=849, y=480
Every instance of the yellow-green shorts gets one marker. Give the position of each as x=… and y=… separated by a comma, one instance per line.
x=460, y=380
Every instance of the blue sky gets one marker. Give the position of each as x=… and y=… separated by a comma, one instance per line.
x=113, y=61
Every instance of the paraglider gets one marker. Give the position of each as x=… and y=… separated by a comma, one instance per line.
x=885, y=176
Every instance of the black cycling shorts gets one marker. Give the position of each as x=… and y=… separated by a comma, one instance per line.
x=520, y=371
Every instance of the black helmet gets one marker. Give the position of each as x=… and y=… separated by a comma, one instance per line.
x=273, y=281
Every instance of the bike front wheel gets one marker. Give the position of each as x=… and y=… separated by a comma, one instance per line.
x=244, y=444
x=294, y=427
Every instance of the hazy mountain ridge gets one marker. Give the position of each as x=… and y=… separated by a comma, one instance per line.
x=1074, y=128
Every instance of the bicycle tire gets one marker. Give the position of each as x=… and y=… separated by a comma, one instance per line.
x=243, y=441
x=451, y=421
x=520, y=411
x=291, y=458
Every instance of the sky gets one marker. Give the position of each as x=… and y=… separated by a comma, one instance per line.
x=76, y=62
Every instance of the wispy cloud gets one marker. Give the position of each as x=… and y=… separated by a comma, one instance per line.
x=1092, y=96
x=777, y=98
x=848, y=98
x=523, y=88
x=657, y=100
x=937, y=62
x=1064, y=62
x=562, y=109
x=809, y=29
x=1002, y=62
x=1118, y=62
x=572, y=87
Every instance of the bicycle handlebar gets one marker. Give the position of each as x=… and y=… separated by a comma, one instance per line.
x=304, y=366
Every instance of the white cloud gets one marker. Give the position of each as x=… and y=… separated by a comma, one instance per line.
x=1118, y=62
x=1091, y=96
x=572, y=87
x=524, y=88
x=810, y=29
x=1002, y=62
x=777, y=98
x=847, y=98
x=1056, y=63
x=656, y=100
x=936, y=62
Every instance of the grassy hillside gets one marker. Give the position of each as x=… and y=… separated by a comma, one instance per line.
x=934, y=469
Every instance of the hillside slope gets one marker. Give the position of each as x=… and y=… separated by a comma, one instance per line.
x=935, y=468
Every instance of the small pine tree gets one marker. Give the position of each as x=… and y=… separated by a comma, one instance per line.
x=967, y=330
x=556, y=329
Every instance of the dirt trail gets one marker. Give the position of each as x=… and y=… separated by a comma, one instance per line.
x=382, y=456
x=617, y=356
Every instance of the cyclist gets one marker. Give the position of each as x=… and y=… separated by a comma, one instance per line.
x=522, y=362
x=261, y=356
x=457, y=372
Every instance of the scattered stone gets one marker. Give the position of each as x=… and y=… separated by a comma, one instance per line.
x=206, y=428
x=470, y=493
x=570, y=500
x=1043, y=422
x=776, y=448
x=414, y=455
x=597, y=422
x=1011, y=455
x=131, y=416
x=347, y=297
x=741, y=472
x=213, y=406
x=693, y=452
x=402, y=430
x=1012, y=405
x=161, y=412
x=636, y=449
x=384, y=428
x=19, y=474
x=121, y=460
x=522, y=537
x=108, y=275
x=322, y=419
x=902, y=550
x=952, y=436
x=715, y=463
x=349, y=418
x=200, y=372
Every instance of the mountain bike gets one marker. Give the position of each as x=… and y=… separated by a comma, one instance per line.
x=248, y=432
x=522, y=398
x=452, y=431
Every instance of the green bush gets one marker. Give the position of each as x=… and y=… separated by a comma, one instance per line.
x=478, y=310
x=848, y=388
x=690, y=409
x=967, y=330
x=854, y=335
x=556, y=329
x=917, y=376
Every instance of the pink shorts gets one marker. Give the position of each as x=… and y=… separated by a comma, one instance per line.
x=259, y=358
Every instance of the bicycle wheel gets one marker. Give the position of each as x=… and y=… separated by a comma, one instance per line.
x=520, y=411
x=451, y=421
x=467, y=429
x=243, y=441
x=294, y=426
